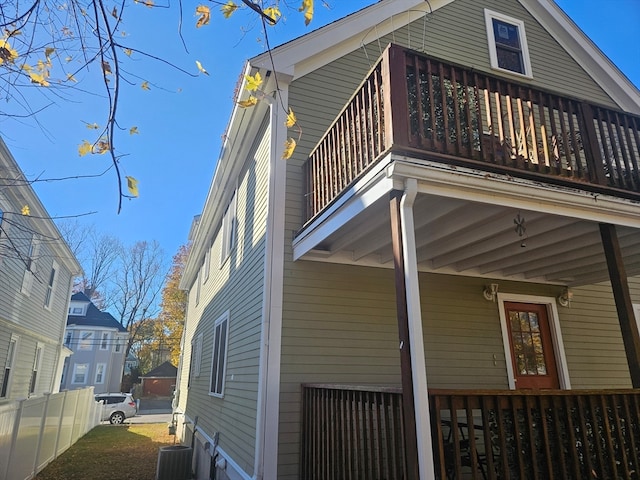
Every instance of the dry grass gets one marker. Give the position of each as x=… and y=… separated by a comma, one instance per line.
x=110, y=452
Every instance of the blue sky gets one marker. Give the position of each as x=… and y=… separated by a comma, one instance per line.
x=182, y=119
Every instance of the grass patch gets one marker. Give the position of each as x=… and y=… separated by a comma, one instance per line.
x=112, y=452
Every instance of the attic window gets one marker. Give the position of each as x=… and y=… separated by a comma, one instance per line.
x=507, y=44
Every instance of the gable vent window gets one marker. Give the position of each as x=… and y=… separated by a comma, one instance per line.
x=507, y=44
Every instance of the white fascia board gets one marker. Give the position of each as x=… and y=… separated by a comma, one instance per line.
x=505, y=190
x=320, y=47
x=244, y=122
x=603, y=71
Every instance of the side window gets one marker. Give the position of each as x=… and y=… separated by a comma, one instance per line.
x=198, y=287
x=30, y=265
x=508, y=49
x=8, y=365
x=219, y=357
x=100, y=369
x=86, y=340
x=228, y=229
x=196, y=359
x=104, y=341
x=67, y=339
x=51, y=285
x=37, y=361
x=206, y=264
x=80, y=373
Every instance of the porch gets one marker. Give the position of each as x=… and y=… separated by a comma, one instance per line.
x=354, y=432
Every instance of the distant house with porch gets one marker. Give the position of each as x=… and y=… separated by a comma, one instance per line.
x=440, y=281
x=98, y=342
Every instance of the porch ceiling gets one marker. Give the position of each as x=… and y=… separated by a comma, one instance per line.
x=465, y=237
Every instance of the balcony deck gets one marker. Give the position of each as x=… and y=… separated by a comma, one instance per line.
x=351, y=432
x=425, y=108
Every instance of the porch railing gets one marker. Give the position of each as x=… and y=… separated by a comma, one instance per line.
x=417, y=105
x=357, y=433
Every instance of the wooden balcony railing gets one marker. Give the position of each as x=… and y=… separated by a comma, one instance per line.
x=413, y=104
x=351, y=433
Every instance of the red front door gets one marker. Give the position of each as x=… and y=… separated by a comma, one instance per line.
x=532, y=353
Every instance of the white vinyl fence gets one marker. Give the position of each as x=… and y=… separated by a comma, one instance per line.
x=35, y=431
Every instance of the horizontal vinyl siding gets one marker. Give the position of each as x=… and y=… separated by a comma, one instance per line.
x=235, y=286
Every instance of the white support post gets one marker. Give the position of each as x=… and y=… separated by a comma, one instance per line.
x=418, y=364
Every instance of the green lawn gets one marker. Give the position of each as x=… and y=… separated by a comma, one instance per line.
x=112, y=452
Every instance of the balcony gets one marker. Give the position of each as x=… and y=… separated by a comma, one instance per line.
x=427, y=109
x=351, y=432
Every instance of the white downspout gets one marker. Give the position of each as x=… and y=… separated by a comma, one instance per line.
x=267, y=421
x=416, y=340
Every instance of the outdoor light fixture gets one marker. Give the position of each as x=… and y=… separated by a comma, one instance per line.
x=490, y=292
x=564, y=299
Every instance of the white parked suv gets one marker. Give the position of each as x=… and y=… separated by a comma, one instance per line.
x=117, y=406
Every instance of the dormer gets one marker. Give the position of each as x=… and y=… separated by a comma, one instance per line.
x=79, y=304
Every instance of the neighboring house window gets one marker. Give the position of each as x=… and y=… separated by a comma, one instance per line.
x=75, y=311
x=118, y=346
x=86, y=341
x=80, y=373
x=50, y=286
x=100, y=368
x=67, y=340
x=36, y=368
x=104, y=343
x=228, y=229
x=507, y=43
x=30, y=266
x=219, y=358
x=8, y=365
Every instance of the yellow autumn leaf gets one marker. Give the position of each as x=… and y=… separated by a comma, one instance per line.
x=204, y=15
x=289, y=147
x=132, y=185
x=228, y=8
x=26, y=211
x=128, y=52
x=307, y=8
x=133, y=131
x=26, y=68
x=7, y=54
x=106, y=68
x=253, y=82
x=93, y=126
x=273, y=13
x=145, y=85
x=148, y=3
x=102, y=146
x=291, y=119
x=249, y=102
x=39, y=78
x=68, y=59
x=201, y=68
x=85, y=148
x=71, y=78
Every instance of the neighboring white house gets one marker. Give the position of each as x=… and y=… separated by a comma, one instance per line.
x=453, y=246
x=98, y=342
x=36, y=272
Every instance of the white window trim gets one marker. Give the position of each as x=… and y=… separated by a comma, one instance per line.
x=37, y=364
x=206, y=267
x=229, y=229
x=197, y=353
x=81, y=342
x=489, y=15
x=15, y=339
x=51, y=287
x=86, y=374
x=223, y=318
x=31, y=268
x=104, y=371
x=556, y=335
